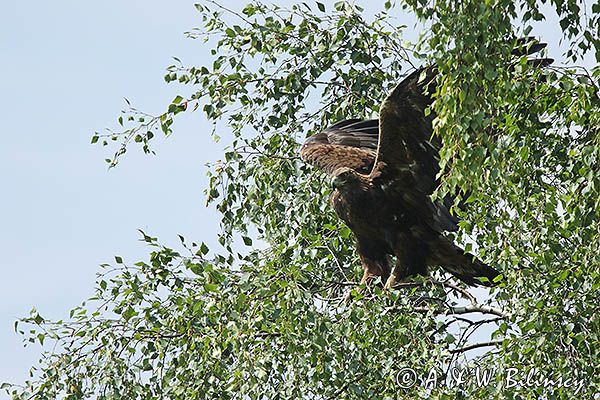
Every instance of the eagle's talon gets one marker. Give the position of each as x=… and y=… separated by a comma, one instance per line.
x=389, y=284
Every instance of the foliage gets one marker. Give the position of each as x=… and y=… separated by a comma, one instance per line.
x=521, y=146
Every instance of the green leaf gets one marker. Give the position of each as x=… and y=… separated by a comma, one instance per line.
x=211, y=287
x=203, y=249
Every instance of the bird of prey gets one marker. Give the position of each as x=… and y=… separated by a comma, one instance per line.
x=384, y=172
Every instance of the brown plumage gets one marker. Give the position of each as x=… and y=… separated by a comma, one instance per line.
x=384, y=172
x=349, y=143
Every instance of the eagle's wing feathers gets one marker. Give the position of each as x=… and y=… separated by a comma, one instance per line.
x=408, y=153
x=404, y=130
x=354, y=133
x=350, y=143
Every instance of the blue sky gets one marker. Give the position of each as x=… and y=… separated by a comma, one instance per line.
x=66, y=67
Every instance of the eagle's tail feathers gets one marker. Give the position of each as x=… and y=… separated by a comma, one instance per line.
x=473, y=271
x=464, y=266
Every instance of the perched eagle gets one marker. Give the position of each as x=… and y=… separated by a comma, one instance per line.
x=384, y=172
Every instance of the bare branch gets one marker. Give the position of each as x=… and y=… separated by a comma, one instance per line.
x=477, y=309
x=476, y=346
x=449, y=310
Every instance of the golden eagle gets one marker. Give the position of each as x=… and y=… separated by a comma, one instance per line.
x=384, y=172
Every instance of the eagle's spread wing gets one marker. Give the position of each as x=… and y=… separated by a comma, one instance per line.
x=405, y=132
x=350, y=143
x=408, y=154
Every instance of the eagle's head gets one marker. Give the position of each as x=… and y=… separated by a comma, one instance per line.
x=345, y=178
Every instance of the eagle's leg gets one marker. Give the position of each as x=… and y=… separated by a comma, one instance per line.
x=399, y=272
x=373, y=268
x=407, y=264
x=378, y=266
x=391, y=281
x=374, y=260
